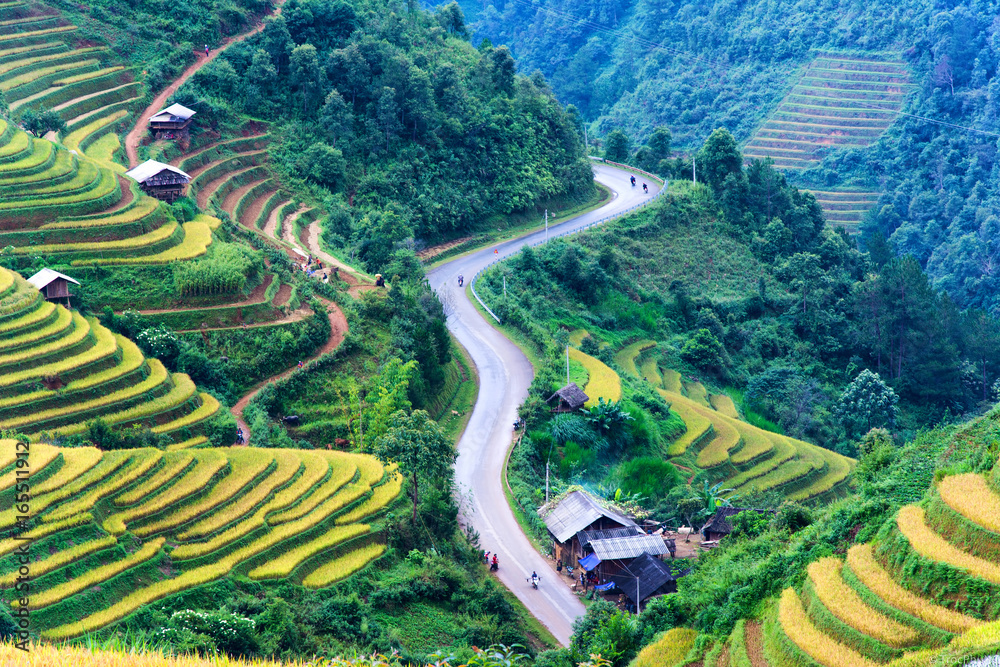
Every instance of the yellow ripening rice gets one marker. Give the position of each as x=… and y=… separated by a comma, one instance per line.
x=668, y=650
x=46, y=655
x=817, y=645
x=971, y=496
x=604, y=382
x=861, y=560
x=930, y=545
x=844, y=603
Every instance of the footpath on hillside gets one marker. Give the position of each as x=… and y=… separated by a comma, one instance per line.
x=134, y=137
x=338, y=330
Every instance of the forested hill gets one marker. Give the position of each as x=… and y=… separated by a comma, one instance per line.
x=390, y=115
x=634, y=65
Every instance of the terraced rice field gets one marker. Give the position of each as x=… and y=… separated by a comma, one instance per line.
x=840, y=102
x=730, y=449
x=215, y=502
x=870, y=609
x=60, y=370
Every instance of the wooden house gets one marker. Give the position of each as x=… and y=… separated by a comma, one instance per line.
x=645, y=576
x=576, y=513
x=719, y=526
x=175, y=118
x=606, y=552
x=53, y=285
x=571, y=398
x=160, y=180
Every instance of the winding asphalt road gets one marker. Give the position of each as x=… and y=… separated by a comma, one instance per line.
x=504, y=377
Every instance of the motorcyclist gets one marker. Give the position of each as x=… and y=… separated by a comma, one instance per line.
x=633, y=181
x=534, y=579
x=496, y=564
x=645, y=188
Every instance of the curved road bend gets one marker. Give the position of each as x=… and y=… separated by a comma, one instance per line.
x=504, y=377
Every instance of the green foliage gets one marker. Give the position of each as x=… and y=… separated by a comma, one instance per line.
x=704, y=351
x=227, y=270
x=104, y=436
x=417, y=444
x=40, y=123
x=648, y=476
x=867, y=403
x=749, y=524
x=606, y=631
x=616, y=146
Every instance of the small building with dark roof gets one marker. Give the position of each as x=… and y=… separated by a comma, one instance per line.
x=719, y=526
x=53, y=285
x=644, y=577
x=571, y=398
x=174, y=118
x=163, y=181
x=575, y=513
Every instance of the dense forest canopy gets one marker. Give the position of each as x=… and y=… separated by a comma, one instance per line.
x=634, y=66
x=391, y=117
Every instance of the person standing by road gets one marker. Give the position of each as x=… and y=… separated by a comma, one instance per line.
x=206, y=50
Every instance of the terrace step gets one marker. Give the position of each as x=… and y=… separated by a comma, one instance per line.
x=101, y=111
x=15, y=68
x=16, y=53
x=62, y=91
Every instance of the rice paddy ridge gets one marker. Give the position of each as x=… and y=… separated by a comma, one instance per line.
x=840, y=101
x=63, y=370
x=730, y=449
x=907, y=597
x=186, y=499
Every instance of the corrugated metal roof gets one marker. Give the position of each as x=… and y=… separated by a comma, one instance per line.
x=651, y=573
x=46, y=276
x=151, y=168
x=587, y=536
x=577, y=511
x=620, y=548
x=174, y=113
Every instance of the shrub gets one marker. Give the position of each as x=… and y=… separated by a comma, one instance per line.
x=703, y=350
x=648, y=476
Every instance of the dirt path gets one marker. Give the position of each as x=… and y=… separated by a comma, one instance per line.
x=253, y=211
x=232, y=200
x=215, y=144
x=205, y=194
x=288, y=228
x=294, y=316
x=754, y=644
x=127, y=196
x=255, y=297
x=134, y=137
x=435, y=250
x=338, y=329
x=272, y=220
x=346, y=273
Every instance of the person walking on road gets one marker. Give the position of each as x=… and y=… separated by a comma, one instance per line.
x=206, y=50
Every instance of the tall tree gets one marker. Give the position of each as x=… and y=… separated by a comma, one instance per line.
x=420, y=448
x=867, y=403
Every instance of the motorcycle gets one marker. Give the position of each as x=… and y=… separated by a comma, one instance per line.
x=534, y=582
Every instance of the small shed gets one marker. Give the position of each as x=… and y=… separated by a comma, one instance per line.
x=159, y=180
x=52, y=284
x=571, y=398
x=645, y=576
x=174, y=118
x=608, y=551
x=575, y=513
x=719, y=526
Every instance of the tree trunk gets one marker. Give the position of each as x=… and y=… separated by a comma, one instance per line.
x=414, y=497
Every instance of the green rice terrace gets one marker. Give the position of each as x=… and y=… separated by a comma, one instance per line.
x=839, y=102
x=716, y=439
x=60, y=370
x=118, y=530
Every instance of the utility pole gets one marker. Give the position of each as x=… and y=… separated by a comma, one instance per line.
x=694, y=162
x=546, y=225
x=546, y=482
x=361, y=420
x=586, y=144
x=505, y=286
x=567, y=364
